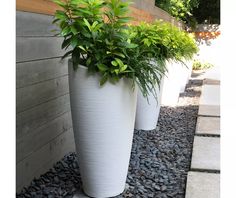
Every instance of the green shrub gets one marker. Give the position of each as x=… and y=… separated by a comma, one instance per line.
x=180, y=45
x=166, y=41
x=148, y=55
x=161, y=42
x=198, y=65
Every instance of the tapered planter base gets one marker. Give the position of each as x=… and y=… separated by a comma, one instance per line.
x=171, y=85
x=147, y=112
x=103, y=122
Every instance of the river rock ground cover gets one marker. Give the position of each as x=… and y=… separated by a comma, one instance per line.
x=159, y=163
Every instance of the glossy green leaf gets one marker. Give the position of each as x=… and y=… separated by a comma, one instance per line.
x=73, y=30
x=114, y=63
x=120, y=63
x=102, y=67
x=103, y=79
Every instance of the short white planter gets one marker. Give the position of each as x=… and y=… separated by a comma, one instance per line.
x=147, y=112
x=103, y=122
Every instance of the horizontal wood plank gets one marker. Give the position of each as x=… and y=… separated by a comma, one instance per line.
x=33, y=118
x=32, y=24
x=37, y=6
x=30, y=96
x=34, y=48
x=33, y=141
x=43, y=159
x=29, y=73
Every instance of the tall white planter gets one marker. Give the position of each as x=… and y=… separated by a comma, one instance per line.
x=186, y=74
x=190, y=68
x=171, y=84
x=147, y=112
x=103, y=123
x=183, y=76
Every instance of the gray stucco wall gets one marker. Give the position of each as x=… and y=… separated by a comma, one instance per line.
x=43, y=121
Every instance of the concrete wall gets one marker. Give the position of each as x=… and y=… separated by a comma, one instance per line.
x=44, y=128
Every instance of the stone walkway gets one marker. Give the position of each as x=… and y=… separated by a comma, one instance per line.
x=204, y=176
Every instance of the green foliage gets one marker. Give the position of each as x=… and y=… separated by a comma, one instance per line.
x=180, y=9
x=95, y=43
x=96, y=35
x=208, y=11
x=95, y=32
x=198, y=65
x=180, y=45
x=161, y=42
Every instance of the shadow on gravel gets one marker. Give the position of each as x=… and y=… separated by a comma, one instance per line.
x=191, y=93
x=197, y=74
x=194, y=83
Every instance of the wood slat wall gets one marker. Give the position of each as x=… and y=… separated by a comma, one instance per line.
x=43, y=122
x=36, y=6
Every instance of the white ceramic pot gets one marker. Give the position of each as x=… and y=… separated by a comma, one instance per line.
x=103, y=122
x=183, y=77
x=190, y=68
x=147, y=112
x=186, y=74
x=171, y=84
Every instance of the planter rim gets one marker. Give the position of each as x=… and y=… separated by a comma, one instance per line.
x=81, y=66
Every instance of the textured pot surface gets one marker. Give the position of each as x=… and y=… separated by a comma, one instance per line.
x=183, y=76
x=171, y=85
x=147, y=112
x=186, y=74
x=103, y=123
x=190, y=68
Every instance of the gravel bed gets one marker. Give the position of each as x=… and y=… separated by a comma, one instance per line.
x=160, y=158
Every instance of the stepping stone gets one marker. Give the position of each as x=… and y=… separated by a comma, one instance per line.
x=209, y=104
x=203, y=185
x=209, y=110
x=210, y=95
x=211, y=82
x=208, y=126
x=206, y=153
x=213, y=73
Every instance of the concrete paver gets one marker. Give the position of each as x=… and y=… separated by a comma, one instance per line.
x=206, y=150
x=210, y=95
x=209, y=110
x=206, y=153
x=203, y=185
x=213, y=73
x=211, y=82
x=208, y=126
